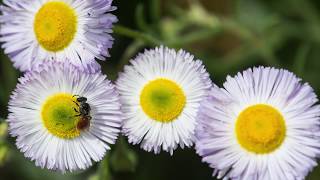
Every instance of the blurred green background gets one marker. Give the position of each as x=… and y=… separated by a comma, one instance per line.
x=228, y=35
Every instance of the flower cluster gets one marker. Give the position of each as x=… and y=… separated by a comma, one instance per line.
x=65, y=114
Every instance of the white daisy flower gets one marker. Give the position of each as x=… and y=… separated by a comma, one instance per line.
x=160, y=93
x=64, y=118
x=77, y=31
x=263, y=125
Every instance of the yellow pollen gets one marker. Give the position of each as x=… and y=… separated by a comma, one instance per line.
x=58, y=116
x=260, y=129
x=55, y=25
x=162, y=100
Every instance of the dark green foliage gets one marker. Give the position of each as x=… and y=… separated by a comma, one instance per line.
x=229, y=36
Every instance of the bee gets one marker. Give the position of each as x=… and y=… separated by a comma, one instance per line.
x=84, y=112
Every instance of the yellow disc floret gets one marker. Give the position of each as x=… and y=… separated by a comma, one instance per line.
x=162, y=100
x=55, y=25
x=59, y=117
x=260, y=129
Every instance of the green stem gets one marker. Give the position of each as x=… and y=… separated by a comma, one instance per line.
x=247, y=35
x=155, y=10
x=130, y=52
x=236, y=28
x=140, y=18
x=194, y=37
x=229, y=25
x=136, y=35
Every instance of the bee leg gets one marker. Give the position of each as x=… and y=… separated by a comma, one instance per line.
x=76, y=103
x=75, y=110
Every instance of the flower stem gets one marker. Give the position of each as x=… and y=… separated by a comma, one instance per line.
x=131, y=50
x=121, y=30
x=140, y=18
x=155, y=10
x=194, y=37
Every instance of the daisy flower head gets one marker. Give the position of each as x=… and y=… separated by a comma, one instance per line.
x=63, y=117
x=264, y=124
x=160, y=93
x=76, y=31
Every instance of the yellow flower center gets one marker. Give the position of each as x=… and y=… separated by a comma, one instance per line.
x=260, y=129
x=55, y=25
x=162, y=100
x=59, y=117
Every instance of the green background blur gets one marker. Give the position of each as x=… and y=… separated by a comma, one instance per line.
x=229, y=36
